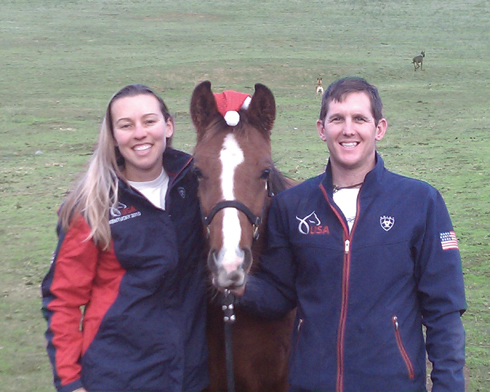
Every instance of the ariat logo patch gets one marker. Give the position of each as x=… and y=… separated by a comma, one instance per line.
x=310, y=224
x=386, y=222
x=122, y=213
x=181, y=191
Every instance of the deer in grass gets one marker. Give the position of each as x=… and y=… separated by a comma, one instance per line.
x=319, y=86
x=418, y=60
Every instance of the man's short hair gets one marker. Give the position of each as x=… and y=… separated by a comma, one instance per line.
x=339, y=90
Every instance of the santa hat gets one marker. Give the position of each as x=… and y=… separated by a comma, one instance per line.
x=229, y=103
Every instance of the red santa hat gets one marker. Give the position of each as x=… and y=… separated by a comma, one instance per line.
x=229, y=103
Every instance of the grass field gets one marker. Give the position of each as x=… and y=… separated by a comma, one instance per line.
x=61, y=60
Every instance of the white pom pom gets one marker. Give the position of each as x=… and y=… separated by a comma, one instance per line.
x=232, y=118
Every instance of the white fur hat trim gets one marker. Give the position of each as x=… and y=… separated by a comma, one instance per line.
x=246, y=103
x=232, y=118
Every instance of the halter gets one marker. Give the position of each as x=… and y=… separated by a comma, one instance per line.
x=255, y=220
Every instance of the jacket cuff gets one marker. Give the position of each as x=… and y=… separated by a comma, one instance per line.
x=71, y=386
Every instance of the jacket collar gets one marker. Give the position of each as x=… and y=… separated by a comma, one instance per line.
x=176, y=164
x=372, y=180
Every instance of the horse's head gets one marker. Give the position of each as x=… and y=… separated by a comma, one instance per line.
x=233, y=164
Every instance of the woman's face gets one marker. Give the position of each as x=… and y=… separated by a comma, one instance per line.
x=140, y=132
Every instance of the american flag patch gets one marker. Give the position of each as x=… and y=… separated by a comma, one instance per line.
x=449, y=240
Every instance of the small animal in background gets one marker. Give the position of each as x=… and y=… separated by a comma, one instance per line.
x=418, y=60
x=319, y=86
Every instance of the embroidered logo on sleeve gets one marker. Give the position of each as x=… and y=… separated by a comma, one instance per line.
x=449, y=240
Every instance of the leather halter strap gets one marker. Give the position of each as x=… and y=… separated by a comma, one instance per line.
x=254, y=220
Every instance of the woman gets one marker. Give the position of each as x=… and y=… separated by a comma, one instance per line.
x=125, y=295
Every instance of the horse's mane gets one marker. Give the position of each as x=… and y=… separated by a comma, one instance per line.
x=279, y=182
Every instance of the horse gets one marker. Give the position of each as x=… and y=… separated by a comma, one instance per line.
x=237, y=180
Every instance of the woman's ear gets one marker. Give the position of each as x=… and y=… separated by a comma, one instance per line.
x=169, y=131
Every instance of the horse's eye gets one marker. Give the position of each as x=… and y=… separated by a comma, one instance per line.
x=198, y=173
x=265, y=174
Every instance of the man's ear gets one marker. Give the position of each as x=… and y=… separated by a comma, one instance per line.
x=381, y=129
x=321, y=130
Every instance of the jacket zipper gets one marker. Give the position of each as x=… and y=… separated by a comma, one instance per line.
x=345, y=297
x=345, y=289
x=401, y=347
x=343, y=317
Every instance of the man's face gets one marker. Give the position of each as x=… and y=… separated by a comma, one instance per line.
x=351, y=134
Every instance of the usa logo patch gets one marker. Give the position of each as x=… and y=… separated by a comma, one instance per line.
x=310, y=224
x=386, y=222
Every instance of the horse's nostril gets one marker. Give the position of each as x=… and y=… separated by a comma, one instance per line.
x=235, y=279
x=247, y=259
x=235, y=276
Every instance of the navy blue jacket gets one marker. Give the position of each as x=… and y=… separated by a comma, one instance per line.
x=364, y=296
x=145, y=298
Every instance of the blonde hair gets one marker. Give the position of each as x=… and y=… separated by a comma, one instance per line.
x=97, y=191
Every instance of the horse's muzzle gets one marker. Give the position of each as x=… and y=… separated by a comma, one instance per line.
x=229, y=274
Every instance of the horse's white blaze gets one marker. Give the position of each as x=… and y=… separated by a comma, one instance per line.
x=231, y=156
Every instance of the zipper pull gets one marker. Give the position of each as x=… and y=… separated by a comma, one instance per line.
x=347, y=244
x=395, y=322
x=300, y=323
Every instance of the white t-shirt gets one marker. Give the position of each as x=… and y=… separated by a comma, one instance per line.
x=154, y=190
x=346, y=199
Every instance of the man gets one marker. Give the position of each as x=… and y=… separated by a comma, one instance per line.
x=368, y=257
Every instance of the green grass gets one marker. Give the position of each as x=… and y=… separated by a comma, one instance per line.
x=62, y=60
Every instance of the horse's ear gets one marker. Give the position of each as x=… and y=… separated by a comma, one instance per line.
x=203, y=108
x=262, y=109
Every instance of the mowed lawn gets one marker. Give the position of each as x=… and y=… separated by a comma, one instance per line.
x=61, y=60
